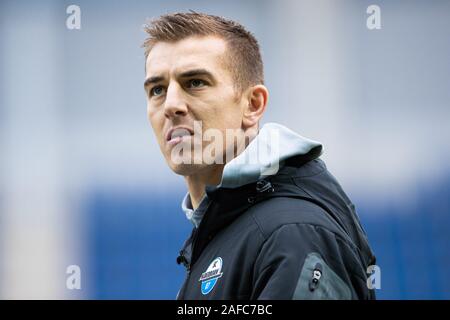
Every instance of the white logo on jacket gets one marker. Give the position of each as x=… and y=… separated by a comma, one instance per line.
x=211, y=275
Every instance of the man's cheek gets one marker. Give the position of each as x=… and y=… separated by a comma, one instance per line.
x=154, y=124
x=158, y=132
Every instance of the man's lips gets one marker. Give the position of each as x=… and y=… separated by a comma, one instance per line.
x=175, y=135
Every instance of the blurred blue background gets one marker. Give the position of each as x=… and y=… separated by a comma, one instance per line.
x=82, y=181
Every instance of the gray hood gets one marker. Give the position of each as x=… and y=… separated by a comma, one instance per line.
x=265, y=155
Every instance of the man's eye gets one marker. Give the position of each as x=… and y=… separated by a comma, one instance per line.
x=196, y=83
x=156, y=91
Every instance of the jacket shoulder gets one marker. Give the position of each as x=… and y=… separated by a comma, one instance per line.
x=273, y=213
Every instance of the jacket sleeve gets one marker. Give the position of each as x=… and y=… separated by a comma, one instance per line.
x=303, y=261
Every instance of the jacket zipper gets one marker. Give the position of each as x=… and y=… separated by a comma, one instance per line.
x=180, y=295
x=317, y=274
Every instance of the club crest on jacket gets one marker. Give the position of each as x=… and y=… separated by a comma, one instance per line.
x=211, y=275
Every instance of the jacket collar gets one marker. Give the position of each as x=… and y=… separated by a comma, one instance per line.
x=227, y=204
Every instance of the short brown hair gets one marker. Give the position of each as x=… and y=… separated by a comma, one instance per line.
x=244, y=60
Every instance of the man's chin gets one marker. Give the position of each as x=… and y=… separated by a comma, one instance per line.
x=187, y=169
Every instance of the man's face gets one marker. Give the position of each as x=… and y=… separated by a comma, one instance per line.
x=187, y=81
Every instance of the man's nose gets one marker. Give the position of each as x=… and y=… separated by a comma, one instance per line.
x=175, y=104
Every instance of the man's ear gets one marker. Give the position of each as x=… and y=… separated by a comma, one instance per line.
x=256, y=102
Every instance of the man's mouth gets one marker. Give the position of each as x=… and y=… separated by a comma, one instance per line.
x=176, y=135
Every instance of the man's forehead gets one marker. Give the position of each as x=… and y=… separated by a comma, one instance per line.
x=190, y=53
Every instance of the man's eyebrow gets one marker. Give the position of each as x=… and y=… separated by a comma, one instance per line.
x=186, y=74
x=151, y=80
x=196, y=72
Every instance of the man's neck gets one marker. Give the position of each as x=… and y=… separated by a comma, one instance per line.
x=196, y=183
x=212, y=175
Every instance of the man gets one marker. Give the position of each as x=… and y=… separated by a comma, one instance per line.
x=280, y=227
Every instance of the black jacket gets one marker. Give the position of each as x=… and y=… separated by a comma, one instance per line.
x=294, y=235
